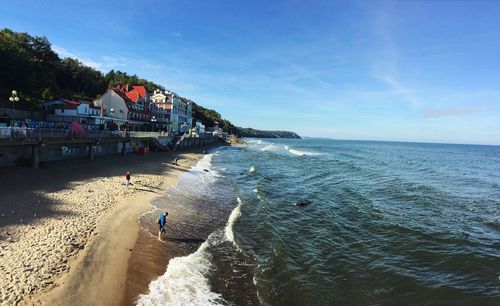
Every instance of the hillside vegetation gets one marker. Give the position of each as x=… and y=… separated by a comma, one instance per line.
x=30, y=66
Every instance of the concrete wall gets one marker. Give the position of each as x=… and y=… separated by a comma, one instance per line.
x=33, y=154
x=12, y=155
x=193, y=142
x=23, y=155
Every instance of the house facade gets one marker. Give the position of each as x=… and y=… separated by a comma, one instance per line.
x=126, y=104
x=113, y=106
x=161, y=108
x=68, y=111
x=173, y=110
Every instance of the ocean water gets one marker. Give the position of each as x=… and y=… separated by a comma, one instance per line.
x=382, y=223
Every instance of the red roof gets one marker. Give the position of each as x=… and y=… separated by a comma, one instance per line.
x=70, y=102
x=133, y=96
x=70, y=106
x=141, y=90
x=125, y=98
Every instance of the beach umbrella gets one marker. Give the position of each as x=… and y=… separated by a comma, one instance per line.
x=77, y=129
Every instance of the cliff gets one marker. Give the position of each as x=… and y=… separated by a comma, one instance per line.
x=248, y=132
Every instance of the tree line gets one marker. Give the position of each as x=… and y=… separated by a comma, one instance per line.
x=29, y=65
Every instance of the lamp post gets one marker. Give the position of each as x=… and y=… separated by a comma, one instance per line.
x=13, y=98
x=153, y=120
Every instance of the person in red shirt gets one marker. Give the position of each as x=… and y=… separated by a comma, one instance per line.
x=127, y=178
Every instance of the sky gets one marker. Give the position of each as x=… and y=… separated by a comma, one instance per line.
x=408, y=70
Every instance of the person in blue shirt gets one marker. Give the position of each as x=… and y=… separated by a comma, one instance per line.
x=162, y=221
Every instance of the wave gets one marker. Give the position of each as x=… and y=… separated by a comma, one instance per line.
x=205, y=165
x=296, y=152
x=301, y=153
x=235, y=214
x=185, y=281
x=253, y=141
x=271, y=147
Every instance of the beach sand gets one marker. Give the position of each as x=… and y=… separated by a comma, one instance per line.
x=68, y=230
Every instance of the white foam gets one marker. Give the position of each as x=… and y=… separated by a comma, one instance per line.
x=255, y=190
x=252, y=169
x=271, y=147
x=296, y=152
x=235, y=214
x=203, y=164
x=302, y=153
x=184, y=282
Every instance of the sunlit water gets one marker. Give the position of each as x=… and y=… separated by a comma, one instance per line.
x=381, y=223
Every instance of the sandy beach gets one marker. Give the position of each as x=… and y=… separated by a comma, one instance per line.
x=72, y=226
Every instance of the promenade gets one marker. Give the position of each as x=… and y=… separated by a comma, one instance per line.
x=32, y=146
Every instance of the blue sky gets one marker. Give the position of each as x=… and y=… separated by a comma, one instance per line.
x=380, y=70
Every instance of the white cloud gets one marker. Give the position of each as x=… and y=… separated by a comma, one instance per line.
x=65, y=53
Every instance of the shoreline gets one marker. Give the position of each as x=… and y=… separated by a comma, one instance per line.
x=64, y=220
x=106, y=261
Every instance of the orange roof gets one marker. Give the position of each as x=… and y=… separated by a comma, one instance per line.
x=133, y=96
x=141, y=90
x=124, y=97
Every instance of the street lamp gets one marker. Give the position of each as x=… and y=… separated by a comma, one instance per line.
x=153, y=120
x=13, y=98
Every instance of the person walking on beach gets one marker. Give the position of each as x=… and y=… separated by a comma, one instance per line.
x=162, y=221
x=127, y=178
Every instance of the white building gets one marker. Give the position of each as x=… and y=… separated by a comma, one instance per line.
x=161, y=108
x=170, y=108
x=114, y=106
x=199, y=128
x=69, y=111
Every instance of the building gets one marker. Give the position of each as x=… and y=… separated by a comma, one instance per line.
x=199, y=128
x=161, y=108
x=174, y=111
x=125, y=105
x=183, y=111
x=63, y=110
x=113, y=105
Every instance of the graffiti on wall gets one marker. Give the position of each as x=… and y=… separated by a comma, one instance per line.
x=68, y=152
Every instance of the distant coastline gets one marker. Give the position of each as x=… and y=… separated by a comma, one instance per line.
x=249, y=132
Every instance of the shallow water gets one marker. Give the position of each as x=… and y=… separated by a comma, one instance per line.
x=384, y=223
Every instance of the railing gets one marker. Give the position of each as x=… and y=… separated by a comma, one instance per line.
x=20, y=133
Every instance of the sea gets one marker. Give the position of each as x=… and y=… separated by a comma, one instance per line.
x=330, y=222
